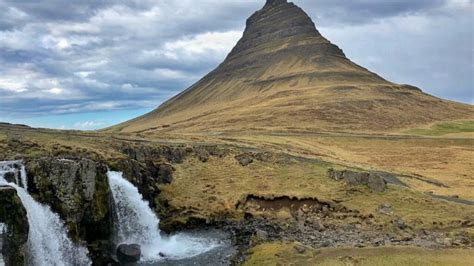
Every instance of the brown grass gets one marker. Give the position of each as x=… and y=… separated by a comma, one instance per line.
x=214, y=188
x=280, y=253
x=448, y=161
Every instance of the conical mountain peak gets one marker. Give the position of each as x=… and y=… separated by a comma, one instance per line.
x=279, y=23
x=284, y=75
x=275, y=2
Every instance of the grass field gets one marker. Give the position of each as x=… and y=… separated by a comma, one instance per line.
x=213, y=189
x=442, y=129
x=280, y=253
x=446, y=161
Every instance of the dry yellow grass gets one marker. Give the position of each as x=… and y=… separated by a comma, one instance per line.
x=281, y=253
x=449, y=161
x=213, y=189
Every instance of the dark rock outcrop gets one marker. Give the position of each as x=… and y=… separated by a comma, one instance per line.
x=279, y=22
x=129, y=253
x=78, y=190
x=244, y=159
x=13, y=215
x=373, y=180
x=148, y=166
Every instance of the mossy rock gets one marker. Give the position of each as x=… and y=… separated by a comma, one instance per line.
x=13, y=214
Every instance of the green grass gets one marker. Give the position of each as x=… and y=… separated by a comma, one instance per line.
x=441, y=129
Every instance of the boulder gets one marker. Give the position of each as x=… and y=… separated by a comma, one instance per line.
x=202, y=154
x=399, y=223
x=376, y=182
x=244, y=159
x=165, y=173
x=10, y=177
x=373, y=180
x=300, y=249
x=261, y=235
x=129, y=253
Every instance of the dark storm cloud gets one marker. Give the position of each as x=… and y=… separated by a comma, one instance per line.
x=71, y=56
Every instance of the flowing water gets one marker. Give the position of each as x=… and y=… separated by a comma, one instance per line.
x=136, y=223
x=48, y=242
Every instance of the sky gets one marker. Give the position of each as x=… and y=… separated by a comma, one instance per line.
x=87, y=64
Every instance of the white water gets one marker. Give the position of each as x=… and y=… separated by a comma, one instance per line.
x=137, y=224
x=48, y=242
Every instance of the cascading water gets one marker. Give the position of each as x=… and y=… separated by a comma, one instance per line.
x=137, y=224
x=48, y=242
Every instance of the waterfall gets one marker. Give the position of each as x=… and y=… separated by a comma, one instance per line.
x=48, y=243
x=136, y=223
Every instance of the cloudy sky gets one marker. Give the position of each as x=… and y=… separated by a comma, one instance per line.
x=88, y=64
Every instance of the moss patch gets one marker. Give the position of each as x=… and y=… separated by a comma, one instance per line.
x=441, y=129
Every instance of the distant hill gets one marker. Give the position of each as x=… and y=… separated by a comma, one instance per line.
x=284, y=75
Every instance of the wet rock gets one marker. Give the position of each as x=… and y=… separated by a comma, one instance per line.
x=13, y=214
x=244, y=159
x=77, y=189
x=129, y=253
x=10, y=177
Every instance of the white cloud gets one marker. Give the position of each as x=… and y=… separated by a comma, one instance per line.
x=13, y=85
x=88, y=125
x=108, y=55
x=203, y=44
x=63, y=44
x=56, y=91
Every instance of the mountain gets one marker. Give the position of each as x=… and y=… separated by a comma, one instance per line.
x=284, y=75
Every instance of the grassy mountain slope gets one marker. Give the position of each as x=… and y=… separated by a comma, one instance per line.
x=284, y=75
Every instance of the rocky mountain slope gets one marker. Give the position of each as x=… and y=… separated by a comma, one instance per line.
x=284, y=75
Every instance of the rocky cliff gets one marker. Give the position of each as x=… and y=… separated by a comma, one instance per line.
x=13, y=215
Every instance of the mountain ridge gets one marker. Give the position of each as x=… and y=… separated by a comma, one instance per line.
x=284, y=75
